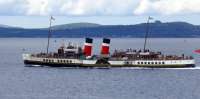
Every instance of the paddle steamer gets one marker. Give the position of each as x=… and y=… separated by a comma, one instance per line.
x=76, y=56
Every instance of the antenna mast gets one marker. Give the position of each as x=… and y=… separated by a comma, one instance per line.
x=147, y=32
x=49, y=33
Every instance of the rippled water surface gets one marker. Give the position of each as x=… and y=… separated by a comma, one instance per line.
x=19, y=82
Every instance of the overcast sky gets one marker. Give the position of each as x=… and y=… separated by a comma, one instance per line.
x=35, y=13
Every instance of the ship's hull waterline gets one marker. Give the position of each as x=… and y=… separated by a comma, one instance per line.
x=78, y=63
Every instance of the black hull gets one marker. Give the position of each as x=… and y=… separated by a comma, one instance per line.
x=32, y=63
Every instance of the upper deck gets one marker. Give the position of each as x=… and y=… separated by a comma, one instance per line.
x=131, y=54
x=75, y=52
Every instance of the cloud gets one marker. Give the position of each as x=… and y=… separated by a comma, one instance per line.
x=167, y=7
x=67, y=7
x=11, y=7
x=37, y=7
x=98, y=7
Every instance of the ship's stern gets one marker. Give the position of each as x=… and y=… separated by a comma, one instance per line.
x=26, y=57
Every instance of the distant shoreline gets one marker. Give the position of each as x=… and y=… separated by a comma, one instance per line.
x=81, y=30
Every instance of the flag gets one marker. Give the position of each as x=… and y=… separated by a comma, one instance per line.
x=150, y=18
x=52, y=18
x=197, y=51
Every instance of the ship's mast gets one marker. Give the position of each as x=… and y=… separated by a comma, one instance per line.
x=147, y=32
x=49, y=33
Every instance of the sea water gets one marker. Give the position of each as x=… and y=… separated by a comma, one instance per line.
x=20, y=82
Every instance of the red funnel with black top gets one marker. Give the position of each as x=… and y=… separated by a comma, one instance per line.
x=197, y=51
x=87, y=50
x=105, y=47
